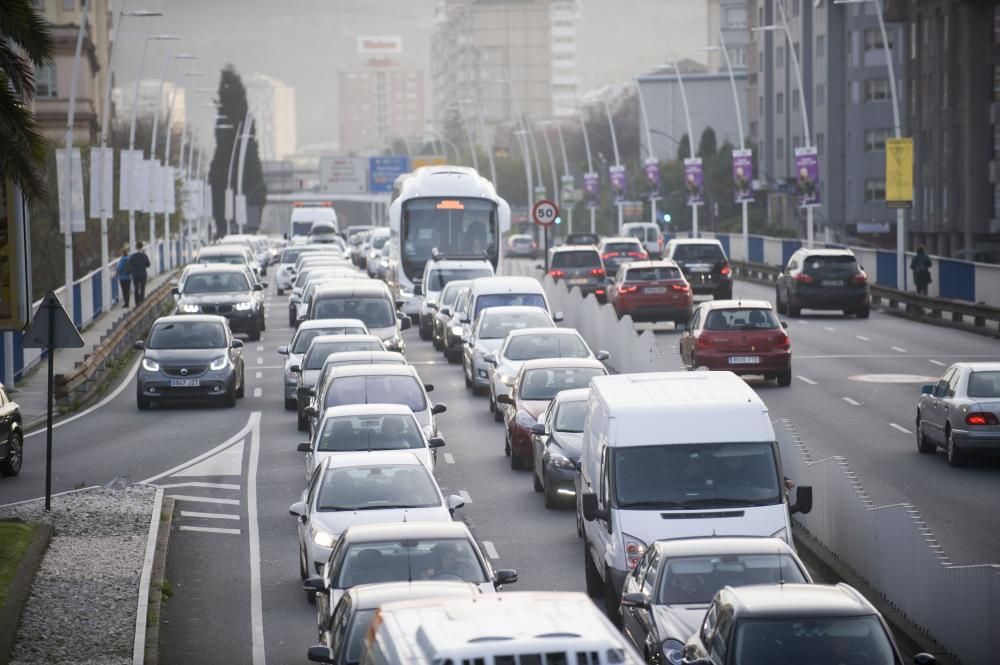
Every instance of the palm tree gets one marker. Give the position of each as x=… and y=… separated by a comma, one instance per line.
x=25, y=43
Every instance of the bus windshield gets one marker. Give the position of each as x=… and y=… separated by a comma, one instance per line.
x=455, y=226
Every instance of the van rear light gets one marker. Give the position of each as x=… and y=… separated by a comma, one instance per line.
x=981, y=418
x=557, y=273
x=803, y=278
x=704, y=342
x=597, y=272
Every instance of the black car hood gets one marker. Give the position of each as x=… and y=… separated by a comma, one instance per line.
x=184, y=356
x=226, y=298
x=571, y=443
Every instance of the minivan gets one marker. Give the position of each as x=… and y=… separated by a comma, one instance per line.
x=714, y=470
x=649, y=234
x=506, y=291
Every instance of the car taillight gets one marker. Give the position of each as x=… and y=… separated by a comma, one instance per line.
x=638, y=255
x=597, y=272
x=557, y=273
x=726, y=270
x=599, y=292
x=859, y=278
x=629, y=289
x=680, y=286
x=981, y=418
x=704, y=342
x=803, y=278
x=534, y=245
x=609, y=255
x=782, y=342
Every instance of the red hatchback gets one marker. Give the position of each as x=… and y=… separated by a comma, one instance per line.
x=651, y=291
x=740, y=336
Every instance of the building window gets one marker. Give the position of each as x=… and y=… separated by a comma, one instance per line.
x=820, y=46
x=913, y=36
x=738, y=56
x=779, y=99
x=875, y=139
x=874, y=190
x=779, y=56
x=944, y=90
x=996, y=83
x=873, y=40
x=820, y=94
x=795, y=7
x=820, y=143
x=779, y=148
x=45, y=81
x=795, y=49
x=877, y=90
x=736, y=18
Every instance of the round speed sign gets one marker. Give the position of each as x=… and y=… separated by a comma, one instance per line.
x=544, y=213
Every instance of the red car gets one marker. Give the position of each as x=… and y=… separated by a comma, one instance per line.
x=651, y=290
x=744, y=337
x=537, y=384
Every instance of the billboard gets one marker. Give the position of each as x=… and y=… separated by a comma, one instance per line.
x=383, y=171
x=694, y=181
x=380, y=44
x=343, y=175
x=652, y=169
x=592, y=190
x=807, y=176
x=743, y=176
x=429, y=160
x=899, y=172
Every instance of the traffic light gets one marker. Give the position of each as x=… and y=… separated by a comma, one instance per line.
x=558, y=220
x=666, y=218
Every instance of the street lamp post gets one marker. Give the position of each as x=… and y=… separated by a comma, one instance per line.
x=691, y=139
x=566, y=176
x=618, y=161
x=649, y=145
x=230, y=205
x=180, y=162
x=248, y=123
x=522, y=142
x=468, y=136
x=529, y=128
x=552, y=166
x=590, y=167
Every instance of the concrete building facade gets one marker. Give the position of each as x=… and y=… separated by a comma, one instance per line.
x=121, y=99
x=273, y=104
x=378, y=103
x=730, y=18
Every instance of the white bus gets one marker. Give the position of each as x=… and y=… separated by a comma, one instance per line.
x=452, y=209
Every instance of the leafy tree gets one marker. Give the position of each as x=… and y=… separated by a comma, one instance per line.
x=707, y=147
x=25, y=43
x=684, y=148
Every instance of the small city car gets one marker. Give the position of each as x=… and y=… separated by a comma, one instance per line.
x=961, y=412
x=651, y=291
x=616, y=251
x=226, y=290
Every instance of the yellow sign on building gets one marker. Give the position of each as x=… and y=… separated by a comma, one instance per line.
x=899, y=172
x=427, y=160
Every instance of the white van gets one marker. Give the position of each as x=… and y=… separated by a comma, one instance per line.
x=674, y=455
x=303, y=217
x=518, y=627
x=649, y=234
x=506, y=292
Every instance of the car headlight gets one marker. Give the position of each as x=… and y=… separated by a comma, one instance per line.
x=323, y=538
x=507, y=380
x=525, y=419
x=673, y=652
x=219, y=363
x=781, y=533
x=561, y=461
x=189, y=308
x=290, y=376
x=456, y=331
x=244, y=306
x=150, y=365
x=393, y=343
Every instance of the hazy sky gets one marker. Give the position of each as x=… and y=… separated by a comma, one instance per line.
x=305, y=42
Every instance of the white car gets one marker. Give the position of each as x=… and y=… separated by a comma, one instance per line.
x=368, y=427
x=296, y=349
x=364, y=488
x=438, y=272
x=489, y=332
x=284, y=274
x=531, y=344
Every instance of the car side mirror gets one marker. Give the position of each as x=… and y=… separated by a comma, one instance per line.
x=927, y=389
x=464, y=318
x=924, y=659
x=236, y=344
x=438, y=409
x=634, y=600
x=435, y=442
x=432, y=306
x=304, y=447
x=539, y=429
x=320, y=653
x=311, y=411
x=418, y=289
x=490, y=358
x=404, y=323
x=283, y=350
x=504, y=576
x=428, y=387
x=446, y=311
x=454, y=503
x=539, y=267
x=590, y=510
x=399, y=303
x=505, y=399
x=558, y=317
x=784, y=324
x=603, y=355
x=258, y=287
x=175, y=290
x=139, y=345
x=803, y=500
x=314, y=584
x=296, y=368
x=298, y=509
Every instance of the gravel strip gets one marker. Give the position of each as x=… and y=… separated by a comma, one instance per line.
x=83, y=601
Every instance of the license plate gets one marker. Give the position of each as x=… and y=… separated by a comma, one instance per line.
x=700, y=268
x=744, y=360
x=832, y=282
x=184, y=383
x=655, y=289
x=575, y=282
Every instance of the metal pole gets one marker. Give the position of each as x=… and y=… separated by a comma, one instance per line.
x=687, y=118
x=248, y=123
x=524, y=150
x=48, y=412
x=649, y=145
x=155, y=164
x=468, y=137
x=68, y=234
x=743, y=144
x=552, y=167
x=618, y=161
x=590, y=164
x=562, y=148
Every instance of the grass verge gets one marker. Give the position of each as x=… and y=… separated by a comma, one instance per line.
x=14, y=540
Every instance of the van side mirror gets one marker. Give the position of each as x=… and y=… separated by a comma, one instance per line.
x=428, y=387
x=803, y=500
x=602, y=355
x=490, y=359
x=590, y=510
x=175, y=290
x=418, y=289
x=298, y=509
x=314, y=584
x=463, y=319
x=283, y=350
x=139, y=345
x=504, y=577
x=304, y=447
x=505, y=399
x=438, y=409
x=454, y=503
x=446, y=311
x=295, y=368
x=558, y=317
x=435, y=442
x=236, y=344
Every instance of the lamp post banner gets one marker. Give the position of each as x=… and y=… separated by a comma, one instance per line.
x=652, y=168
x=568, y=192
x=170, y=189
x=694, y=181
x=743, y=175
x=102, y=183
x=807, y=177
x=70, y=176
x=592, y=190
x=618, y=186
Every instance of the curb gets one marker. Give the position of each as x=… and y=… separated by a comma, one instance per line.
x=910, y=638
x=142, y=610
x=152, y=646
x=20, y=590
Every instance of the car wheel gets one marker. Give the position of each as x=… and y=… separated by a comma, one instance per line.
x=515, y=461
x=478, y=391
x=956, y=457
x=452, y=357
x=863, y=312
x=551, y=496
x=778, y=306
x=243, y=386
x=785, y=378
x=468, y=381
x=793, y=310
x=303, y=571
x=303, y=422
x=425, y=333
x=142, y=403
x=15, y=455
x=263, y=322
x=493, y=403
x=612, y=604
x=291, y=404
x=923, y=445
x=535, y=482
x=595, y=585
x=254, y=334
x=579, y=519
x=291, y=319
x=281, y=291
x=506, y=442
x=311, y=597
x=438, y=344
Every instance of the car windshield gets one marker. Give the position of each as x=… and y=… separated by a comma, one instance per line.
x=844, y=263
x=654, y=274
x=381, y=487
x=443, y=559
x=370, y=432
x=582, y=239
x=583, y=258
x=437, y=279
x=360, y=622
x=305, y=336
x=216, y=282
x=530, y=346
x=450, y=294
x=318, y=352
x=187, y=335
x=569, y=417
x=744, y=318
x=859, y=640
x=291, y=254
x=698, y=252
x=694, y=580
x=374, y=312
x=453, y=226
x=377, y=389
x=984, y=384
x=545, y=384
x=379, y=241
x=642, y=233
x=705, y=475
x=488, y=300
x=521, y=240
x=496, y=326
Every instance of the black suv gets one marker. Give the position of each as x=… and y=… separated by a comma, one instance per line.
x=580, y=266
x=224, y=290
x=823, y=279
x=705, y=266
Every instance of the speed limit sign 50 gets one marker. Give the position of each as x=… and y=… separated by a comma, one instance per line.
x=544, y=213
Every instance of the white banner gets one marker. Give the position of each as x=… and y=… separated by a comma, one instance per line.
x=190, y=195
x=140, y=182
x=126, y=180
x=169, y=187
x=102, y=182
x=155, y=192
x=65, y=181
x=228, y=214
x=241, y=211
x=207, y=198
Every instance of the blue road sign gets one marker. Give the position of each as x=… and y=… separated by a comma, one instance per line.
x=383, y=171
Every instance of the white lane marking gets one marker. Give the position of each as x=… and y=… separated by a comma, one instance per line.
x=257, y=392
x=900, y=428
x=115, y=393
x=228, y=462
x=465, y=496
x=141, y=617
x=253, y=531
x=203, y=499
x=260, y=347
x=449, y=458
x=260, y=361
x=258, y=375
x=191, y=462
x=829, y=329
x=219, y=486
x=209, y=516
x=850, y=401
x=271, y=366
x=491, y=549
x=805, y=323
x=210, y=529
x=863, y=338
x=936, y=362
x=805, y=380
x=898, y=350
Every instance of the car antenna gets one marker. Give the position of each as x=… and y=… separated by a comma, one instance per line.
x=781, y=570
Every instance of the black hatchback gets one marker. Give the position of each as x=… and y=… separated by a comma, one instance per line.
x=704, y=264
x=224, y=290
x=823, y=279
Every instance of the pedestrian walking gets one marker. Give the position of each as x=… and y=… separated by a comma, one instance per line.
x=123, y=273
x=921, y=267
x=139, y=263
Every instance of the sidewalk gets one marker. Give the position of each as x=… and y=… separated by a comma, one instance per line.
x=30, y=392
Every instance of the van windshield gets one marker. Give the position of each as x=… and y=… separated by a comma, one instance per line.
x=705, y=475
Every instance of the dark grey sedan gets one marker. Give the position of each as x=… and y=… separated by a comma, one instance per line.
x=961, y=412
x=557, y=440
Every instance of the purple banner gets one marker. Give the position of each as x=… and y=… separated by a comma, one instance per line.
x=807, y=177
x=693, y=182
x=592, y=190
x=652, y=168
x=618, y=187
x=743, y=176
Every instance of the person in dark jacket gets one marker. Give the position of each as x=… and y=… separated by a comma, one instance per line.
x=921, y=267
x=140, y=264
x=123, y=273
